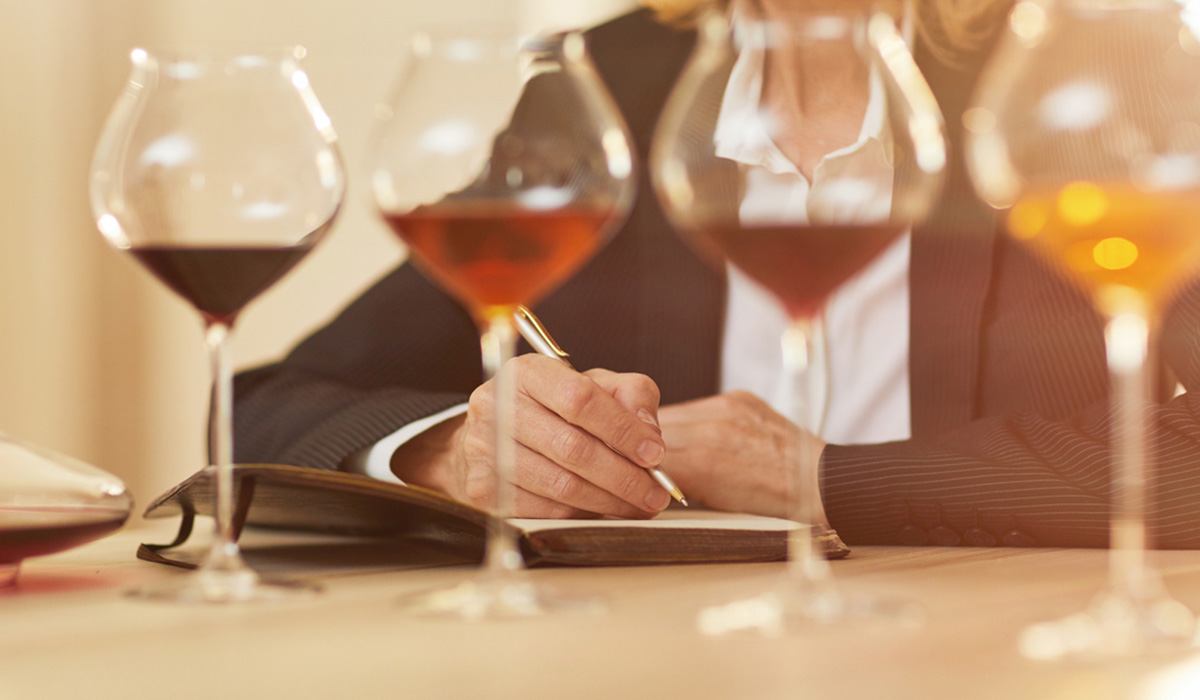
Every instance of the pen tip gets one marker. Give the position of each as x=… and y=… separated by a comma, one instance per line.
x=683, y=501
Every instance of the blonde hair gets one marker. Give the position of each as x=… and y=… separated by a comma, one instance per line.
x=951, y=28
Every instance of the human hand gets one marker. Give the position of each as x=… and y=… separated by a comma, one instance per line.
x=731, y=452
x=564, y=425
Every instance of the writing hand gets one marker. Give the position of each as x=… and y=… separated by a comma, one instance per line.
x=731, y=451
x=564, y=423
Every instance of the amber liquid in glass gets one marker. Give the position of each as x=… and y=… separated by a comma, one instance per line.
x=1113, y=235
x=494, y=256
x=800, y=265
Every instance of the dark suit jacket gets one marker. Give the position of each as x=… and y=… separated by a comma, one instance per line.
x=1009, y=411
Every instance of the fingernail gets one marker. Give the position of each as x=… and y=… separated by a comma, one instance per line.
x=651, y=453
x=658, y=499
x=647, y=417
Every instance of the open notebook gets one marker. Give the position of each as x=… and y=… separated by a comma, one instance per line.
x=403, y=519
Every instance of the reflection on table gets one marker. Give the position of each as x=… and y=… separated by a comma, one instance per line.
x=68, y=632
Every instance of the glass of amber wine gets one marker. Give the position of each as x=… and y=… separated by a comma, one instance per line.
x=1085, y=132
x=218, y=171
x=503, y=165
x=745, y=108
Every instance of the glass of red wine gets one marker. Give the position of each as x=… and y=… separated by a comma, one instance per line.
x=218, y=171
x=50, y=502
x=503, y=165
x=799, y=142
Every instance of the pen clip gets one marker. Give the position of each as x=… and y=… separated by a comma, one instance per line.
x=535, y=333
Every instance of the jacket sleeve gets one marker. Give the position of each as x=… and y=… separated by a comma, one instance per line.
x=400, y=352
x=1024, y=479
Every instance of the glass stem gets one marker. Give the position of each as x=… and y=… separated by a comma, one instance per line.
x=217, y=338
x=806, y=563
x=498, y=343
x=1127, y=341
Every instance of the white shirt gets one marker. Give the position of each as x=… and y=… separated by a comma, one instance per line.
x=860, y=364
x=860, y=367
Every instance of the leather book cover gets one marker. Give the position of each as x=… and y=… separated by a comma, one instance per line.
x=281, y=497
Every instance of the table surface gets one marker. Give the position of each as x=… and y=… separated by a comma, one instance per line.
x=67, y=631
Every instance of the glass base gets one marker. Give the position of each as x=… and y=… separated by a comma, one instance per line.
x=205, y=586
x=791, y=609
x=497, y=600
x=1115, y=625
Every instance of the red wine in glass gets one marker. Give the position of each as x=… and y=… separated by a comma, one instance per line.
x=36, y=530
x=800, y=262
x=801, y=265
x=218, y=170
x=220, y=281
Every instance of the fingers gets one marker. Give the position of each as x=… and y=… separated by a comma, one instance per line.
x=754, y=446
x=559, y=458
x=544, y=489
x=577, y=468
x=527, y=504
x=572, y=495
x=583, y=402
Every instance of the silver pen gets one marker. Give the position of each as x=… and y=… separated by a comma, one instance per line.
x=535, y=333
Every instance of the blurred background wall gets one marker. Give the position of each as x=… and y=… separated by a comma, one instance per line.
x=99, y=361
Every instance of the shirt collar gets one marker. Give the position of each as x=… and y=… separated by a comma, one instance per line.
x=740, y=135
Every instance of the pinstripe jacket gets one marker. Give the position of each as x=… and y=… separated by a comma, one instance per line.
x=1009, y=410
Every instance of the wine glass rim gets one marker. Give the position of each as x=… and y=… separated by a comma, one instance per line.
x=458, y=33
x=215, y=51
x=817, y=26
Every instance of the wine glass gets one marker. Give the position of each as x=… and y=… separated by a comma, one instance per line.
x=748, y=111
x=1085, y=131
x=50, y=502
x=218, y=170
x=503, y=164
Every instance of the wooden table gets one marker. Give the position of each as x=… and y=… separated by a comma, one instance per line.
x=67, y=632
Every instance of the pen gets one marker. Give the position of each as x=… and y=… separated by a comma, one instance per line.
x=535, y=333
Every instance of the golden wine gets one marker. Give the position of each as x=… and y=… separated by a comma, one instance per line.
x=1113, y=236
x=494, y=256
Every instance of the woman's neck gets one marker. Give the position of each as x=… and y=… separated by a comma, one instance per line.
x=816, y=91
